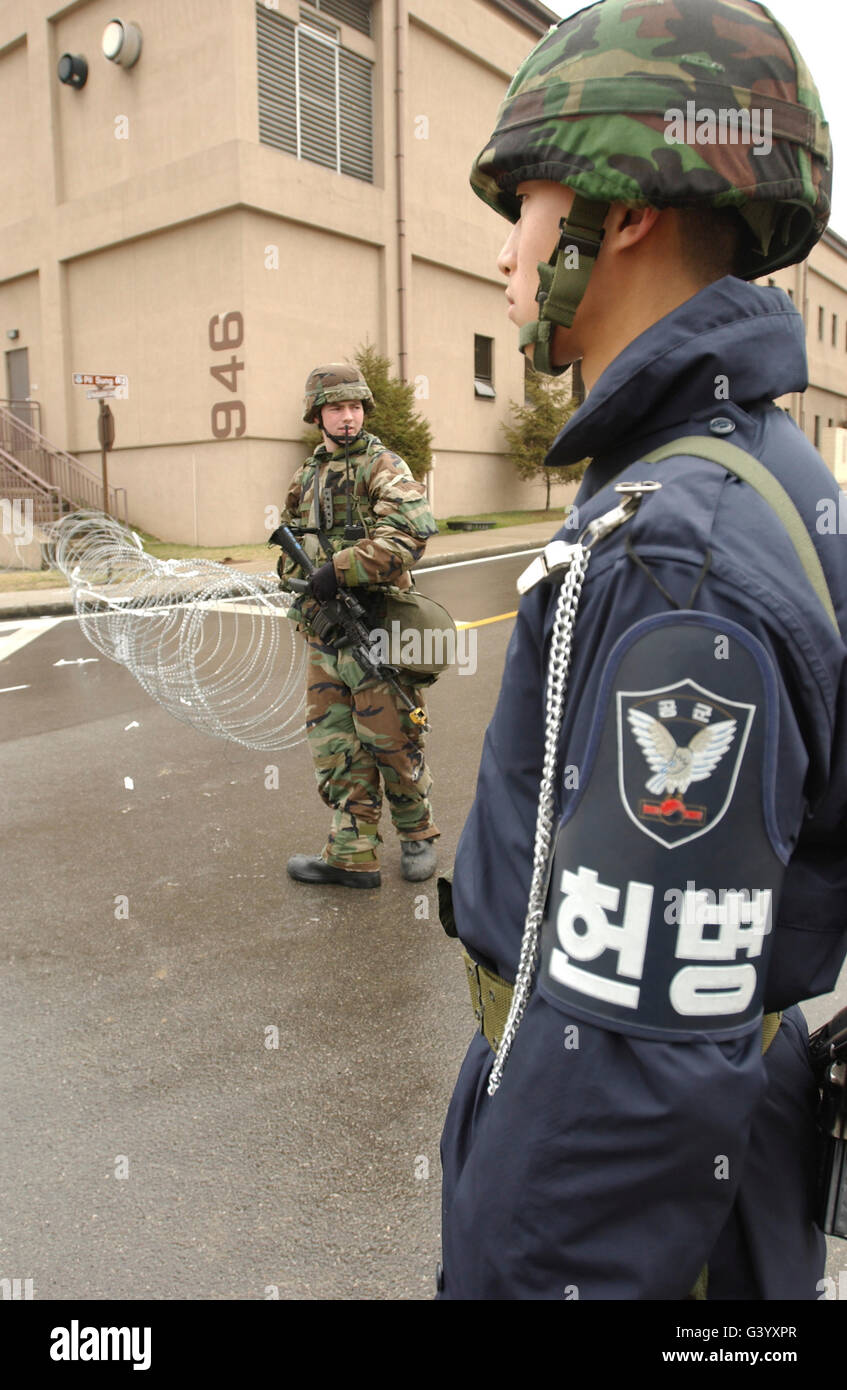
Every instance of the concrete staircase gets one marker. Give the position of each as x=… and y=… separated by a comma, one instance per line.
x=38, y=484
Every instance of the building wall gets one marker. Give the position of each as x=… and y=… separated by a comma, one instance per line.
x=15, y=130
x=143, y=207
x=176, y=101
x=142, y=210
x=819, y=290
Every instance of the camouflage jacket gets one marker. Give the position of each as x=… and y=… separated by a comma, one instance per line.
x=387, y=501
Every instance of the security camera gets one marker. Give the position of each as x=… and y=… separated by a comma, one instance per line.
x=73, y=70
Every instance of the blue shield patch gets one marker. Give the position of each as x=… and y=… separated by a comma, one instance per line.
x=680, y=750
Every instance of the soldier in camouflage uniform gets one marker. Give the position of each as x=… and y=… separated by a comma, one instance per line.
x=635, y=1118
x=358, y=729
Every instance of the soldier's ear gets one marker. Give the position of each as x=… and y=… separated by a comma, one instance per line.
x=626, y=226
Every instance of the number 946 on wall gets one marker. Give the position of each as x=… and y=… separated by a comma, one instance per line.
x=226, y=334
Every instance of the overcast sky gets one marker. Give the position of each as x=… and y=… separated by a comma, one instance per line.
x=817, y=27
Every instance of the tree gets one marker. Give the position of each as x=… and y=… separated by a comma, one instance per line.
x=533, y=427
x=393, y=417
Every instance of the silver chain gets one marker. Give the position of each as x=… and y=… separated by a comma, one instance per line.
x=557, y=682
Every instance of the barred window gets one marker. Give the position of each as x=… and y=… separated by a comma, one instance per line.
x=315, y=97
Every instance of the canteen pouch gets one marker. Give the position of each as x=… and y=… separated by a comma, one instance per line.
x=418, y=635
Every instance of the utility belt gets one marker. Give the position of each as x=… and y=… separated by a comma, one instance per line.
x=491, y=999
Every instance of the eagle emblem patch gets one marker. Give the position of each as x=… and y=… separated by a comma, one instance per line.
x=679, y=754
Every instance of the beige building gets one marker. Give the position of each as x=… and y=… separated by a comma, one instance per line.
x=819, y=289
x=267, y=186
x=258, y=188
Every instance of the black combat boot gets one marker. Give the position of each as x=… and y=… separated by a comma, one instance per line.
x=307, y=868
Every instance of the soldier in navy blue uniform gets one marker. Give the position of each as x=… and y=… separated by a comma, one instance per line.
x=642, y=1127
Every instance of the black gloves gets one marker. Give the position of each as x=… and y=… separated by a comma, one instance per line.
x=323, y=584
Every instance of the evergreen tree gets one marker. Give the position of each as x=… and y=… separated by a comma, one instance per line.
x=393, y=417
x=533, y=427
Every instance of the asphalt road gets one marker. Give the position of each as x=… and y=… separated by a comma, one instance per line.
x=219, y=1084
x=156, y=943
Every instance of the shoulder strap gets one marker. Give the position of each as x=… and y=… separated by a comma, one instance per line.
x=751, y=471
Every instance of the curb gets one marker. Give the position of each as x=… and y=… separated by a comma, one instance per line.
x=455, y=557
x=48, y=608
x=60, y=603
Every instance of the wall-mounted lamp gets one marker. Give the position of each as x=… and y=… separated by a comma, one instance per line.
x=121, y=42
x=12, y=333
x=73, y=70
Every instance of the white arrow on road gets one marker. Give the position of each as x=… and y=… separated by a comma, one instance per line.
x=80, y=661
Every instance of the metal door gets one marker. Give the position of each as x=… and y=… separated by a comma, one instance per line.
x=17, y=381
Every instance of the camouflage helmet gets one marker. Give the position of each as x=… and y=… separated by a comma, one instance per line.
x=665, y=103
x=339, y=381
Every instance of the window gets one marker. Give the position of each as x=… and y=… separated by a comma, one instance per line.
x=315, y=97
x=791, y=295
x=835, y=330
x=821, y=320
x=483, y=367
x=817, y=431
x=356, y=13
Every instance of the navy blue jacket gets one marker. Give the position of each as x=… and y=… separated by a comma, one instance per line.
x=616, y=1166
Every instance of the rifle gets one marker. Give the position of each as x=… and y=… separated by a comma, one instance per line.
x=828, y=1054
x=341, y=623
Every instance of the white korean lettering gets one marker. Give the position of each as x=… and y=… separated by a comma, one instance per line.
x=667, y=709
x=712, y=989
x=702, y=713
x=742, y=921
x=588, y=902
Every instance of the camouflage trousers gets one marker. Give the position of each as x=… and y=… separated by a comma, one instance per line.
x=359, y=731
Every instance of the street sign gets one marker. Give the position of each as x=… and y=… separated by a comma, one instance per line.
x=103, y=379
x=107, y=394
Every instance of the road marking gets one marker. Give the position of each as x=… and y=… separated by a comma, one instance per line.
x=77, y=661
x=6, y=624
x=7, y=688
x=483, y=622
x=24, y=632
x=482, y=560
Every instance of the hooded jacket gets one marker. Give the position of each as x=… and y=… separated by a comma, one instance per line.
x=638, y=1133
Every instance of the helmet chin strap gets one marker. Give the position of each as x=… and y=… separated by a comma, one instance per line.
x=342, y=439
x=563, y=280
x=351, y=532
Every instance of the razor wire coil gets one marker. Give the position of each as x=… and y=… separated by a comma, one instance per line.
x=211, y=644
